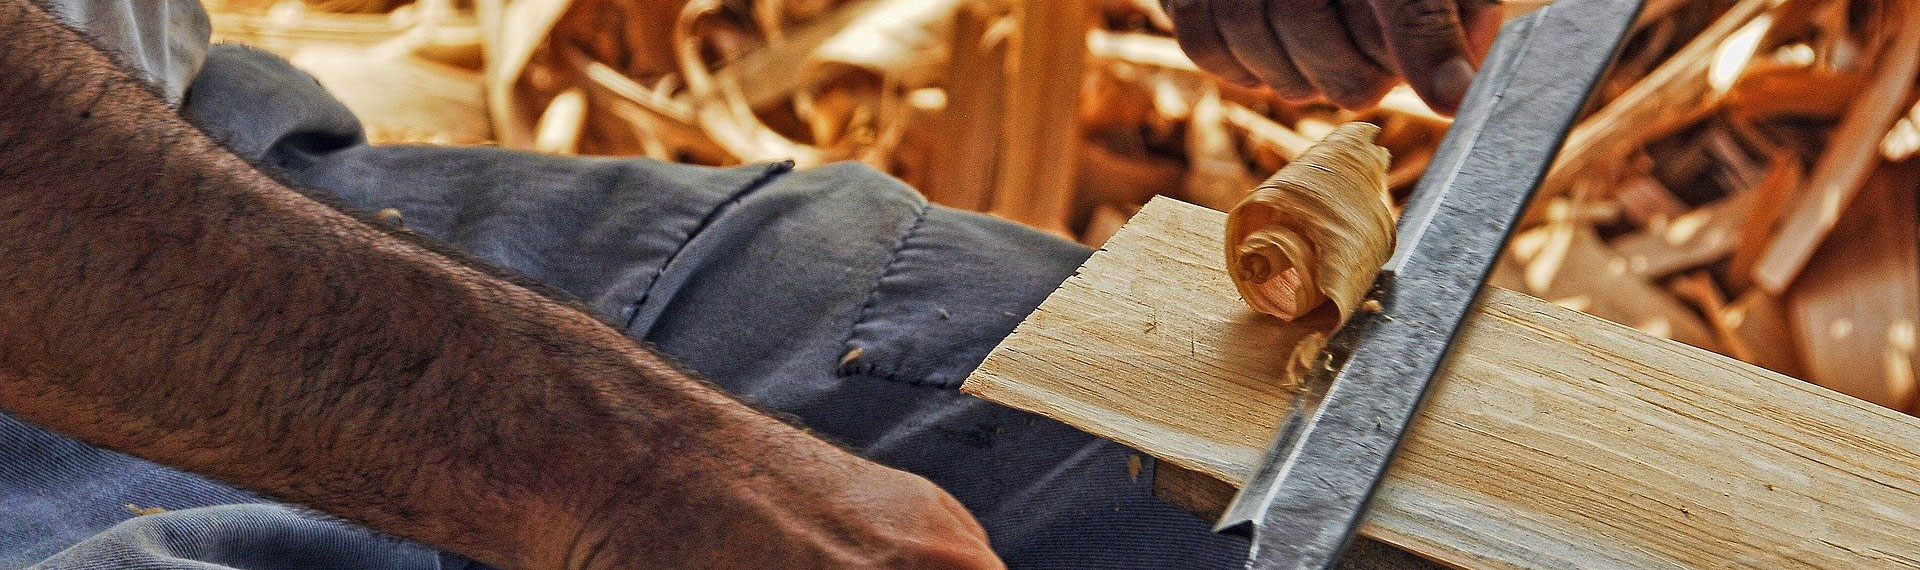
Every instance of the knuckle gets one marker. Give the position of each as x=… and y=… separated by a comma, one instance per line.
x=1293, y=91
x=1372, y=83
x=1348, y=92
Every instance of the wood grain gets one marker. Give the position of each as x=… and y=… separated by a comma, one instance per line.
x=1552, y=439
x=1035, y=178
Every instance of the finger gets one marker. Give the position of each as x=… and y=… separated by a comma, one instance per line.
x=1363, y=25
x=1429, y=47
x=1194, y=28
x=1481, y=20
x=1244, y=25
x=1315, y=35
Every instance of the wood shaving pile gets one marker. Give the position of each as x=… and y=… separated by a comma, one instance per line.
x=1742, y=182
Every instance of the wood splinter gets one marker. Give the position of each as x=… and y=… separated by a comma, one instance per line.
x=1318, y=230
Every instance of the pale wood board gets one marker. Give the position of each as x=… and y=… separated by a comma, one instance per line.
x=1551, y=440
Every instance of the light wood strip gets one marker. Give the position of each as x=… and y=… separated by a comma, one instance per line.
x=1034, y=181
x=1552, y=439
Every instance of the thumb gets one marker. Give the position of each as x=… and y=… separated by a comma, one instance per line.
x=1429, y=46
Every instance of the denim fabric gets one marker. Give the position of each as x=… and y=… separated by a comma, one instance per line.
x=246, y=536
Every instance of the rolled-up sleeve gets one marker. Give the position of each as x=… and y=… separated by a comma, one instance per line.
x=162, y=41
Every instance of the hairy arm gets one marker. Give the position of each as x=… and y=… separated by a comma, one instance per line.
x=166, y=299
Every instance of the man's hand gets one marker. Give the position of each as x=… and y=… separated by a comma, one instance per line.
x=1348, y=51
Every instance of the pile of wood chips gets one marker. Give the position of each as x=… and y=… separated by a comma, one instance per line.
x=1743, y=181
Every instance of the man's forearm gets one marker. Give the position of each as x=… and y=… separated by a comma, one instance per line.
x=166, y=299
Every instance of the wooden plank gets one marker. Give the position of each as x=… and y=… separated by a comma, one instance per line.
x=1552, y=440
x=1034, y=184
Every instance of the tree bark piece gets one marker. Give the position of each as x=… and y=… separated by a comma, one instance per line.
x=1551, y=440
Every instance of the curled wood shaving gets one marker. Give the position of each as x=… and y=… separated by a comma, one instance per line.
x=1318, y=230
x=1305, y=359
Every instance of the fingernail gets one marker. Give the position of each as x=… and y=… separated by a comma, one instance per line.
x=1450, y=81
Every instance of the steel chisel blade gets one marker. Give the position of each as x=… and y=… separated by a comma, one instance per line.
x=1304, y=503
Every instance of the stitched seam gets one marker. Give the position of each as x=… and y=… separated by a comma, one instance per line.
x=773, y=171
x=864, y=368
